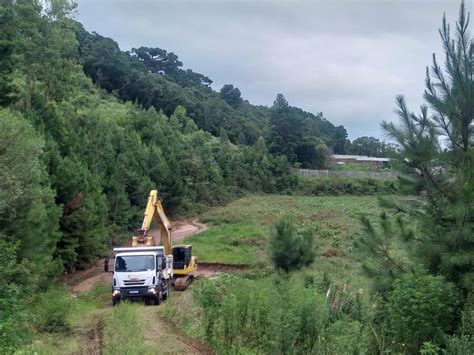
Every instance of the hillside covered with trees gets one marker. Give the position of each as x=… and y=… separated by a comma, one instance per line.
x=153, y=77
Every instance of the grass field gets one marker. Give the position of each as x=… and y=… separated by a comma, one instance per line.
x=239, y=232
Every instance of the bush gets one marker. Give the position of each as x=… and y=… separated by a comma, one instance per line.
x=52, y=310
x=290, y=249
x=421, y=309
x=346, y=336
x=274, y=316
x=344, y=186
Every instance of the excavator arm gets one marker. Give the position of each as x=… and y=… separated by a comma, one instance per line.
x=154, y=210
x=184, y=264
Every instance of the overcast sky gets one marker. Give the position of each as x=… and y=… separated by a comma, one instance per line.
x=345, y=58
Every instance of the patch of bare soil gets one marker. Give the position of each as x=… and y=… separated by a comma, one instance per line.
x=80, y=281
x=181, y=229
x=211, y=270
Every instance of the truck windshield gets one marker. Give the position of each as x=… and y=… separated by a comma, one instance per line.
x=134, y=263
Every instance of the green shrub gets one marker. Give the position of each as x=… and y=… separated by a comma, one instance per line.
x=52, y=310
x=263, y=316
x=343, y=186
x=346, y=336
x=460, y=345
x=420, y=309
x=183, y=311
x=290, y=249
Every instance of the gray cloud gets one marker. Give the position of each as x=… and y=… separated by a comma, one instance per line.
x=345, y=58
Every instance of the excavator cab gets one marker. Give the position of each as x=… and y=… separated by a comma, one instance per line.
x=184, y=264
x=182, y=256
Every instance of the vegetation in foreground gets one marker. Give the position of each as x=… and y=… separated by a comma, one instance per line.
x=61, y=323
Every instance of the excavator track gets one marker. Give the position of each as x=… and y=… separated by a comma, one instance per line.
x=182, y=283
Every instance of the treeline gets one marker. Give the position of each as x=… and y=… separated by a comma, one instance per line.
x=154, y=77
x=76, y=164
x=370, y=146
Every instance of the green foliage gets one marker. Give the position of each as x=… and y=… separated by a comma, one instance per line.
x=346, y=336
x=291, y=249
x=431, y=232
x=371, y=147
x=269, y=316
x=460, y=345
x=153, y=77
x=52, y=310
x=294, y=134
x=441, y=173
x=379, y=248
x=231, y=95
x=13, y=315
x=76, y=165
x=429, y=348
x=243, y=316
x=239, y=232
x=98, y=157
x=28, y=215
x=344, y=186
x=421, y=308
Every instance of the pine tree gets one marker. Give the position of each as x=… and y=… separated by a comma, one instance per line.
x=291, y=249
x=436, y=156
x=285, y=132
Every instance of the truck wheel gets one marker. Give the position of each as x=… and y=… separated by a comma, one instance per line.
x=158, y=299
x=149, y=302
x=115, y=302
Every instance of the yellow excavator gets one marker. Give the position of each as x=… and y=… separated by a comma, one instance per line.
x=184, y=263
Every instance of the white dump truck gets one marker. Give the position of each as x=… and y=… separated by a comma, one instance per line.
x=142, y=274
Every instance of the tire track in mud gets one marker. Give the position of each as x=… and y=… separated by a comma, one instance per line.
x=95, y=340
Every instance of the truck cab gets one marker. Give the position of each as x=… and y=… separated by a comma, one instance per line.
x=142, y=274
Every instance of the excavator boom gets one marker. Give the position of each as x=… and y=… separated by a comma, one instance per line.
x=154, y=210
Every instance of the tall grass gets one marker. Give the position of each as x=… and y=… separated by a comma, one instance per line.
x=274, y=316
x=123, y=333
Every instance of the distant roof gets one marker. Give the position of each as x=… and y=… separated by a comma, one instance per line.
x=358, y=158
